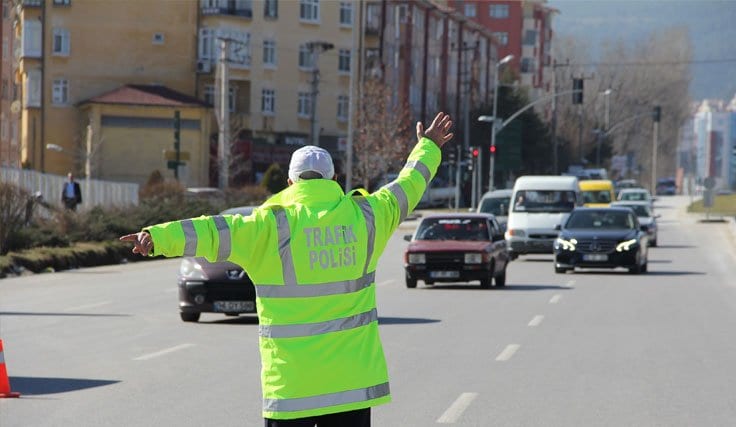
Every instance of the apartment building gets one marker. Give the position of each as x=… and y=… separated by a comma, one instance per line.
x=120, y=69
x=281, y=52
x=523, y=29
x=712, y=142
x=433, y=56
x=9, y=104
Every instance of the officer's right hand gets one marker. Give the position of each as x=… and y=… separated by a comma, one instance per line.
x=438, y=131
x=142, y=242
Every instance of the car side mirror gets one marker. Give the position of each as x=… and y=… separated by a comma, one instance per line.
x=558, y=227
x=407, y=237
x=643, y=228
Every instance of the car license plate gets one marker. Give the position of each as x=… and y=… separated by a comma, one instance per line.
x=595, y=257
x=444, y=274
x=234, y=306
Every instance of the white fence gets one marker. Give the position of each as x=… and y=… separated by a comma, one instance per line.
x=105, y=193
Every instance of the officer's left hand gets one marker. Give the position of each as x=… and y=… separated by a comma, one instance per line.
x=438, y=131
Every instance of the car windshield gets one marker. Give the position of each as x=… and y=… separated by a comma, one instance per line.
x=498, y=206
x=640, y=210
x=600, y=219
x=597, y=196
x=544, y=201
x=475, y=229
x=635, y=196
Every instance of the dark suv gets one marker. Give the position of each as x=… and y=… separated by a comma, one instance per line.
x=221, y=287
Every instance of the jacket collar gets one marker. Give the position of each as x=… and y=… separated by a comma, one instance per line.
x=308, y=192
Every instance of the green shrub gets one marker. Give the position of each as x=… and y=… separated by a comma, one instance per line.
x=275, y=179
x=14, y=206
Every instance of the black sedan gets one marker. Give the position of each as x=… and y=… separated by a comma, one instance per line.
x=221, y=287
x=601, y=238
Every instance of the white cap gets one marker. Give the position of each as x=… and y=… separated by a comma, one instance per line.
x=311, y=159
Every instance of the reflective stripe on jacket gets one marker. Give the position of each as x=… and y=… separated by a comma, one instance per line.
x=312, y=251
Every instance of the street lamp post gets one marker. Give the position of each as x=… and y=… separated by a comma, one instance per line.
x=601, y=133
x=492, y=166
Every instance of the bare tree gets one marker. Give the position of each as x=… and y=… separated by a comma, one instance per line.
x=382, y=134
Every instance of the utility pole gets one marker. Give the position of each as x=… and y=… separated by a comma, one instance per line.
x=657, y=114
x=88, y=164
x=466, y=83
x=315, y=48
x=578, y=87
x=355, y=54
x=223, y=140
x=555, y=149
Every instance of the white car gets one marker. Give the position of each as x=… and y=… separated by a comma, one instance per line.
x=635, y=195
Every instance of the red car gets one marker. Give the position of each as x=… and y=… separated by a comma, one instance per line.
x=456, y=248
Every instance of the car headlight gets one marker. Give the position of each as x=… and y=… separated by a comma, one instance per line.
x=515, y=233
x=191, y=270
x=473, y=258
x=625, y=246
x=417, y=258
x=566, y=244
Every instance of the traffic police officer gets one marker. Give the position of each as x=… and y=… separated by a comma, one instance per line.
x=312, y=251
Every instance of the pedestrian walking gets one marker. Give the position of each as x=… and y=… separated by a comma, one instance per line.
x=312, y=251
x=71, y=193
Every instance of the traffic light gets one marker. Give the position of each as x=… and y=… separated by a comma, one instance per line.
x=657, y=113
x=475, y=152
x=577, y=95
x=492, y=150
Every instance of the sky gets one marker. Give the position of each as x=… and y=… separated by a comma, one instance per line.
x=711, y=24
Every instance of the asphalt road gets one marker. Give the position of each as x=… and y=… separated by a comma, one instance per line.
x=105, y=346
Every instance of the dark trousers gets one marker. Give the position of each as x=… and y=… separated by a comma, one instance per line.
x=357, y=418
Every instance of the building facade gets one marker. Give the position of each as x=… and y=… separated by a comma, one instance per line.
x=9, y=93
x=523, y=29
x=708, y=143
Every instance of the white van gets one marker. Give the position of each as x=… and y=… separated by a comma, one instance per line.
x=539, y=204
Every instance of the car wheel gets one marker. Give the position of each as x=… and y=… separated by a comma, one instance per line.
x=654, y=243
x=501, y=279
x=485, y=283
x=560, y=270
x=635, y=269
x=189, y=317
x=411, y=283
x=644, y=268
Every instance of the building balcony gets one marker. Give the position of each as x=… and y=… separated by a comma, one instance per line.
x=31, y=3
x=229, y=11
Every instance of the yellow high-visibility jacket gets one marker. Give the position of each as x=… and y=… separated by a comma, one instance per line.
x=311, y=251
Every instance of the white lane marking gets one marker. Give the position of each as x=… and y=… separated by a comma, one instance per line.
x=570, y=284
x=385, y=282
x=457, y=408
x=84, y=307
x=536, y=320
x=555, y=299
x=507, y=352
x=162, y=352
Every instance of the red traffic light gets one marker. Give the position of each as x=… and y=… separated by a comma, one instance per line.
x=493, y=149
x=475, y=152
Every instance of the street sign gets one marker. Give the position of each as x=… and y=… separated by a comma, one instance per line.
x=184, y=156
x=708, y=198
x=709, y=183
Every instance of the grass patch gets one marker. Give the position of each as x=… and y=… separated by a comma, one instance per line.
x=48, y=259
x=722, y=205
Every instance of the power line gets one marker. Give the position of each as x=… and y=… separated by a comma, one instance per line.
x=646, y=64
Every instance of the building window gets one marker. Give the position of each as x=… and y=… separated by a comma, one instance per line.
x=527, y=65
x=304, y=107
x=32, y=89
x=227, y=7
x=206, y=44
x=530, y=37
x=498, y=11
x=343, y=105
x=309, y=10
x=269, y=53
x=271, y=9
x=239, y=49
x=62, y=2
x=60, y=92
x=268, y=102
x=346, y=13
x=470, y=10
x=502, y=37
x=60, y=46
x=209, y=97
x=158, y=38
x=343, y=63
x=306, y=59
x=31, y=41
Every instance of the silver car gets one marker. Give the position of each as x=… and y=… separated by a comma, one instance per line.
x=645, y=215
x=496, y=203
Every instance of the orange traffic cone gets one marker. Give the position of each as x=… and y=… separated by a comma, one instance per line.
x=4, y=382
